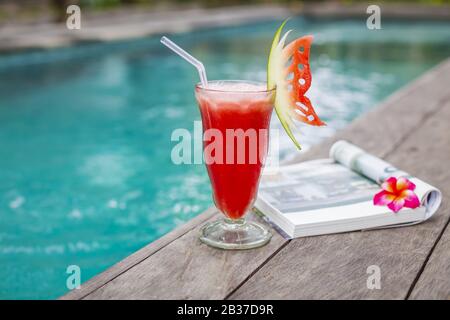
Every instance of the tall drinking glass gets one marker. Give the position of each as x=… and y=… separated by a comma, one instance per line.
x=236, y=117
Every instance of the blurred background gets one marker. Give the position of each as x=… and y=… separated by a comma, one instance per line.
x=55, y=10
x=86, y=115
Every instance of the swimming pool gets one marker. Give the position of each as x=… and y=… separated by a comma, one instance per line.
x=86, y=177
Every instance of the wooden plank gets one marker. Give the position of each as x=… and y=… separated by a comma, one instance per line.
x=156, y=270
x=188, y=269
x=434, y=282
x=140, y=255
x=335, y=266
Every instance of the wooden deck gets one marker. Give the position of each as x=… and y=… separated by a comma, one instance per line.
x=411, y=129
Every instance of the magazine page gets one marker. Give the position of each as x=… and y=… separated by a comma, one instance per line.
x=323, y=196
x=313, y=185
x=378, y=170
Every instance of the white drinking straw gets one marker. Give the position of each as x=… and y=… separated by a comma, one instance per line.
x=186, y=56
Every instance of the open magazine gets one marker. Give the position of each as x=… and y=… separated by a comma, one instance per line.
x=336, y=195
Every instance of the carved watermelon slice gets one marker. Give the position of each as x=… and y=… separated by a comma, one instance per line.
x=288, y=70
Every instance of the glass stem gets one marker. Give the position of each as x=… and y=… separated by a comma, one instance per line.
x=234, y=223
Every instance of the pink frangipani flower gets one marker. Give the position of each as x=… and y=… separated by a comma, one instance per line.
x=396, y=194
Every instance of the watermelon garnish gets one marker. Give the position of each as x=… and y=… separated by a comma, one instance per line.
x=288, y=70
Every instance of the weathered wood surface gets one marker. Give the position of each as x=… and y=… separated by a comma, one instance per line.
x=410, y=130
x=434, y=282
x=335, y=266
x=134, y=259
x=187, y=269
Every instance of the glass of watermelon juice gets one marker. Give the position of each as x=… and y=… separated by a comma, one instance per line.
x=236, y=117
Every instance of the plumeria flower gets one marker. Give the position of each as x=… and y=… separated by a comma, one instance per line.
x=396, y=194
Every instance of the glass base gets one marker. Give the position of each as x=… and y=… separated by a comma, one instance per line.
x=234, y=234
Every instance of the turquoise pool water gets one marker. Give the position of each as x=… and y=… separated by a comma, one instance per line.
x=85, y=171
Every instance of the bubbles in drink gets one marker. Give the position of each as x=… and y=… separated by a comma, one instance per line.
x=234, y=95
x=231, y=86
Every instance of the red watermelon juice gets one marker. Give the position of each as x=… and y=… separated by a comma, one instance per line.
x=236, y=118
